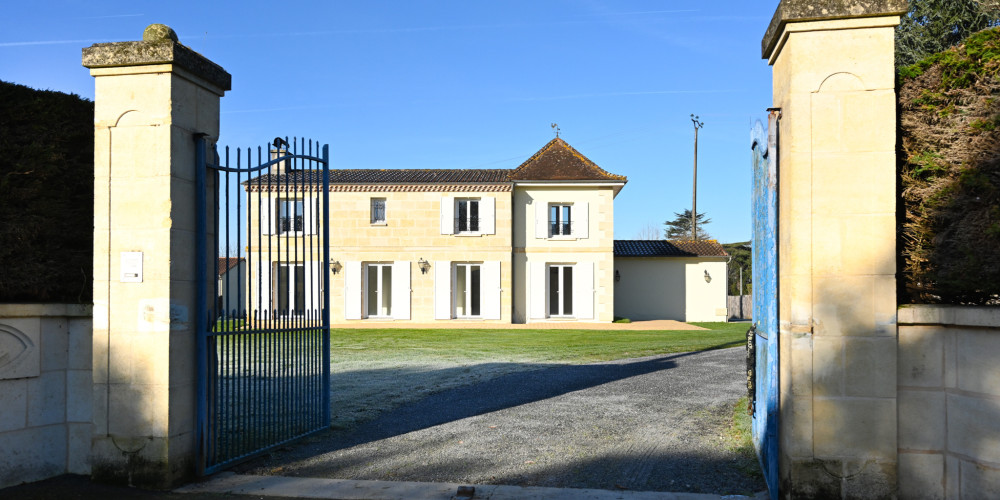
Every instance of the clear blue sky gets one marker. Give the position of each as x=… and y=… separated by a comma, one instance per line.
x=462, y=84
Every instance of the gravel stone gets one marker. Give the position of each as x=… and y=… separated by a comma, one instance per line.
x=645, y=424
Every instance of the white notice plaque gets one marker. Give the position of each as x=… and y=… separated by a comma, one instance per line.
x=131, y=267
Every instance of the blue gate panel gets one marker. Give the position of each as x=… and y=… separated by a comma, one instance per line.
x=264, y=338
x=765, y=299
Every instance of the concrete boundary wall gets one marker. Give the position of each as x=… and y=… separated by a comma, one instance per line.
x=46, y=385
x=949, y=402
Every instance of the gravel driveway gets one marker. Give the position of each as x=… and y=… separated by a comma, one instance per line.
x=650, y=424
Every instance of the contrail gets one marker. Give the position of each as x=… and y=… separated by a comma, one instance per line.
x=112, y=16
x=45, y=42
x=616, y=94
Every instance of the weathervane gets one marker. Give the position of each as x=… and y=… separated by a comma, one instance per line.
x=555, y=127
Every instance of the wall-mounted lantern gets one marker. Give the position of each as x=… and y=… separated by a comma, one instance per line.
x=708, y=277
x=335, y=266
x=424, y=265
x=618, y=276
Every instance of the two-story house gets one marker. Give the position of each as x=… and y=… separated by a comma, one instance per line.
x=529, y=244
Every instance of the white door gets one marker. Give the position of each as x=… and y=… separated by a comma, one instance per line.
x=378, y=290
x=560, y=291
x=468, y=290
x=291, y=289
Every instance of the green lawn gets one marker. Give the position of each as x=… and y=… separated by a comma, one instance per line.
x=553, y=346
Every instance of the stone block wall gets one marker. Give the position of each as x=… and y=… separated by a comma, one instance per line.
x=949, y=402
x=46, y=388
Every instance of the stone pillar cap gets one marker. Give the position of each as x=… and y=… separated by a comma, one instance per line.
x=790, y=11
x=159, y=45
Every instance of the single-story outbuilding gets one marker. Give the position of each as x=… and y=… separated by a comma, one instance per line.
x=663, y=279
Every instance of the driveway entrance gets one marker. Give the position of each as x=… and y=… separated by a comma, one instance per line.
x=649, y=424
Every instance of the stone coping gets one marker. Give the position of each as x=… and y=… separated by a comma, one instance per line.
x=790, y=11
x=46, y=310
x=929, y=314
x=158, y=46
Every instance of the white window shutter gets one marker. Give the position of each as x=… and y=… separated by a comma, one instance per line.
x=541, y=219
x=487, y=215
x=314, y=297
x=266, y=207
x=490, y=293
x=401, y=290
x=447, y=215
x=442, y=289
x=307, y=215
x=537, y=290
x=581, y=226
x=262, y=287
x=353, y=278
x=583, y=290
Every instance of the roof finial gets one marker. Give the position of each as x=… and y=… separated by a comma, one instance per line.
x=555, y=127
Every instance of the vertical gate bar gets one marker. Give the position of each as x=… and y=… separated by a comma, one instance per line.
x=225, y=304
x=294, y=317
x=239, y=239
x=326, y=285
x=200, y=313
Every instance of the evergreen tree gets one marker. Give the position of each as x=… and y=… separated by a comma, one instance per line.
x=932, y=26
x=680, y=227
x=740, y=257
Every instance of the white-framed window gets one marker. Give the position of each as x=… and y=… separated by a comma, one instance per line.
x=378, y=290
x=466, y=215
x=290, y=292
x=560, y=219
x=560, y=290
x=378, y=211
x=290, y=216
x=467, y=288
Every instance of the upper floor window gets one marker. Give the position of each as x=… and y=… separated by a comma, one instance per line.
x=560, y=220
x=290, y=216
x=378, y=211
x=467, y=215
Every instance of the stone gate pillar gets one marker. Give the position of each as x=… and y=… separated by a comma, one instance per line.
x=834, y=83
x=151, y=96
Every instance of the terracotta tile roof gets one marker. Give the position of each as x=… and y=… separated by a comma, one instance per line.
x=558, y=161
x=669, y=248
x=386, y=176
x=227, y=263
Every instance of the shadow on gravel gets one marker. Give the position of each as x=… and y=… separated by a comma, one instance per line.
x=505, y=391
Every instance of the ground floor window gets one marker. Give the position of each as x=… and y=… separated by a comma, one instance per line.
x=560, y=284
x=468, y=287
x=291, y=289
x=378, y=290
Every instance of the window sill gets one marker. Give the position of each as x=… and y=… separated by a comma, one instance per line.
x=468, y=233
x=563, y=238
x=379, y=224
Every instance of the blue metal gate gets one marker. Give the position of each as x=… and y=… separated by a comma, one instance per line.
x=765, y=299
x=264, y=334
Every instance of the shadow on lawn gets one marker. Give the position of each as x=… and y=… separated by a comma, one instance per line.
x=526, y=385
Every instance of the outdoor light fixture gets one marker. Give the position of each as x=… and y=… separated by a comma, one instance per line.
x=424, y=265
x=618, y=276
x=335, y=266
x=708, y=277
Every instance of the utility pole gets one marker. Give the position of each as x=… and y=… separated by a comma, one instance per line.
x=694, y=184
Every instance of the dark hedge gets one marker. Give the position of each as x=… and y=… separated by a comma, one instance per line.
x=46, y=196
x=950, y=174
